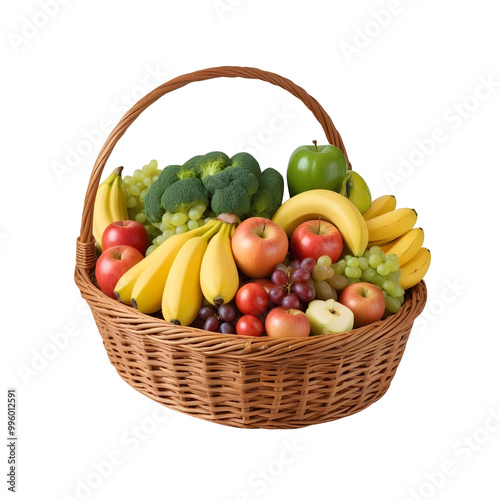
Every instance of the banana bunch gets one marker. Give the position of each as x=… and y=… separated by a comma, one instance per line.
x=181, y=271
x=330, y=206
x=110, y=204
x=393, y=231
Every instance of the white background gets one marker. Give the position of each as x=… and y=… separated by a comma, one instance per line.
x=70, y=74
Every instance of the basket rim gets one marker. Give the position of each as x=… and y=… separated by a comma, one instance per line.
x=158, y=330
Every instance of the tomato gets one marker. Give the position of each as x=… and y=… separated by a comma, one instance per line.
x=252, y=299
x=249, y=325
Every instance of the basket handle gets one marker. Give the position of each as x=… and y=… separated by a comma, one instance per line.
x=86, y=255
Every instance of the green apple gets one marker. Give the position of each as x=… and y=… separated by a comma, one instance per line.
x=316, y=167
x=355, y=188
x=329, y=316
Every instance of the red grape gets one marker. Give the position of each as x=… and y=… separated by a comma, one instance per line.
x=308, y=263
x=205, y=312
x=276, y=294
x=227, y=312
x=294, y=264
x=303, y=291
x=211, y=324
x=226, y=327
x=300, y=275
x=279, y=277
x=291, y=301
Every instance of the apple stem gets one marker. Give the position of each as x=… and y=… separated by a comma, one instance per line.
x=319, y=224
x=315, y=142
x=263, y=229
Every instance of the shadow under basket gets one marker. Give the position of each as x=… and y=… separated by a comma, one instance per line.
x=241, y=381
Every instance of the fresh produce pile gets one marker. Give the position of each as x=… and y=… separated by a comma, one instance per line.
x=210, y=244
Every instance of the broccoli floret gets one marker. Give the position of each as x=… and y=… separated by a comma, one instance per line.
x=152, y=201
x=189, y=169
x=231, y=190
x=246, y=160
x=269, y=196
x=211, y=164
x=183, y=195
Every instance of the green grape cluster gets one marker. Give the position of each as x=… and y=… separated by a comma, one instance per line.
x=179, y=222
x=327, y=284
x=377, y=268
x=136, y=187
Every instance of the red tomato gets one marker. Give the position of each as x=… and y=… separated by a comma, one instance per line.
x=249, y=325
x=252, y=299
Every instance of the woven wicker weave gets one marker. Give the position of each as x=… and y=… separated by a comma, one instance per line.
x=238, y=381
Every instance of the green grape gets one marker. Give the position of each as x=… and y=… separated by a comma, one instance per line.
x=374, y=259
x=347, y=257
x=391, y=256
x=375, y=250
x=397, y=292
x=323, y=290
x=378, y=280
x=401, y=299
x=150, y=249
x=388, y=286
x=128, y=179
x=147, y=181
x=192, y=224
x=167, y=219
x=329, y=272
x=392, y=264
x=383, y=269
x=353, y=272
x=144, y=192
x=363, y=263
x=194, y=214
x=337, y=281
x=168, y=233
x=367, y=254
x=179, y=218
x=138, y=174
x=200, y=207
x=181, y=229
x=207, y=220
x=369, y=274
x=352, y=262
x=134, y=191
x=160, y=239
x=340, y=266
x=320, y=273
x=324, y=260
x=131, y=202
x=141, y=217
x=392, y=305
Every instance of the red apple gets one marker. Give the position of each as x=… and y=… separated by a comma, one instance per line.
x=283, y=322
x=126, y=232
x=266, y=283
x=258, y=244
x=315, y=238
x=112, y=264
x=365, y=300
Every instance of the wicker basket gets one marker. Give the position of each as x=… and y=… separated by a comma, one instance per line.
x=238, y=381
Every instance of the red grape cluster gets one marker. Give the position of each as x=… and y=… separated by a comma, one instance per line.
x=222, y=319
x=293, y=285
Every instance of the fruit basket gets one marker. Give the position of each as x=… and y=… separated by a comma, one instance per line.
x=259, y=382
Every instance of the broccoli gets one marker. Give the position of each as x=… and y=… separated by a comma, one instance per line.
x=152, y=201
x=269, y=196
x=189, y=169
x=246, y=160
x=211, y=164
x=183, y=195
x=231, y=190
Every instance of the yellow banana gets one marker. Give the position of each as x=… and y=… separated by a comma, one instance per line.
x=182, y=296
x=219, y=277
x=414, y=270
x=330, y=206
x=147, y=290
x=391, y=225
x=380, y=206
x=406, y=246
x=118, y=199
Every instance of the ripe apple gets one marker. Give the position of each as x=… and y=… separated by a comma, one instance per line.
x=112, y=264
x=284, y=322
x=315, y=167
x=314, y=238
x=329, y=316
x=365, y=300
x=356, y=190
x=258, y=244
x=126, y=232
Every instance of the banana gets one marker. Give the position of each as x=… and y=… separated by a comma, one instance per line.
x=406, y=246
x=118, y=199
x=110, y=204
x=380, y=206
x=149, y=283
x=387, y=227
x=182, y=295
x=330, y=206
x=414, y=270
x=219, y=277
